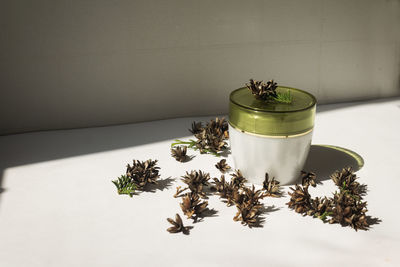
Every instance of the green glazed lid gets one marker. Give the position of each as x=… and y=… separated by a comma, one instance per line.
x=271, y=118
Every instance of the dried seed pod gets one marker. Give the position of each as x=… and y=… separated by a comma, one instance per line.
x=177, y=225
x=191, y=205
x=212, y=137
x=143, y=172
x=349, y=211
x=308, y=178
x=271, y=187
x=179, y=153
x=222, y=166
x=248, y=213
x=346, y=180
x=196, y=181
x=237, y=179
x=261, y=90
x=197, y=127
x=300, y=199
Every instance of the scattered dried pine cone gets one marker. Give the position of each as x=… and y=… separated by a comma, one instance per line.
x=261, y=90
x=300, y=199
x=320, y=207
x=237, y=179
x=191, y=205
x=211, y=138
x=196, y=181
x=197, y=127
x=248, y=206
x=177, y=225
x=346, y=180
x=222, y=166
x=179, y=153
x=308, y=178
x=248, y=213
x=271, y=187
x=348, y=211
x=143, y=172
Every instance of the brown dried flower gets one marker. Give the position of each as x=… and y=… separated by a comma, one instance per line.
x=308, y=178
x=196, y=181
x=300, y=199
x=248, y=213
x=191, y=205
x=271, y=187
x=212, y=137
x=237, y=179
x=143, y=172
x=179, y=153
x=349, y=211
x=320, y=207
x=262, y=90
x=177, y=225
x=346, y=180
x=197, y=127
x=222, y=166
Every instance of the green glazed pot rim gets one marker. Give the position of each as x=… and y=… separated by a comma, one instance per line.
x=270, y=118
x=311, y=105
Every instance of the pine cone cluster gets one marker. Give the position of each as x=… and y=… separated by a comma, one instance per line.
x=143, y=172
x=261, y=90
x=179, y=153
x=246, y=200
x=191, y=204
x=211, y=138
x=346, y=207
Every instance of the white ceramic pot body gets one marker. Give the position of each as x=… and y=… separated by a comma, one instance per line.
x=281, y=157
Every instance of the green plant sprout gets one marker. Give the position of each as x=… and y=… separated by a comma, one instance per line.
x=125, y=185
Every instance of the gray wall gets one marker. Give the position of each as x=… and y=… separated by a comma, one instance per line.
x=77, y=63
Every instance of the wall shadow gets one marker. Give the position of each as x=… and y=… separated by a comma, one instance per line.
x=326, y=159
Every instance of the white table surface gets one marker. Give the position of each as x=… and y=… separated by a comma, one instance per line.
x=59, y=208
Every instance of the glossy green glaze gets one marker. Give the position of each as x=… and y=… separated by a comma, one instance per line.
x=251, y=115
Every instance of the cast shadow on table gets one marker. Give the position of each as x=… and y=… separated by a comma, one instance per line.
x=261, y=218
x=326, y=159
x=161, y=185
x=205, y=214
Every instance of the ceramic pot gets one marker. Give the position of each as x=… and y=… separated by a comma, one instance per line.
x=271, y=137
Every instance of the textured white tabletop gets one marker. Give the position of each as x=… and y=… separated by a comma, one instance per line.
x=58, y=206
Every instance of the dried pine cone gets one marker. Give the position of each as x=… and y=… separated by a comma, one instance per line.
x=346, y=180
x=348, y=211
x=179, y=153
x=143, y=172
x=261, y=90
x=197, y=127
x=227, y=191
x=196, y=181
x=308, y=178
x=300, y=199
x=320, y=207
x=191, y=205
x=248, y=213
x=177, y=225
x=222, y=166
x=212, y=137
x=237, y=179
x=271, y=186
